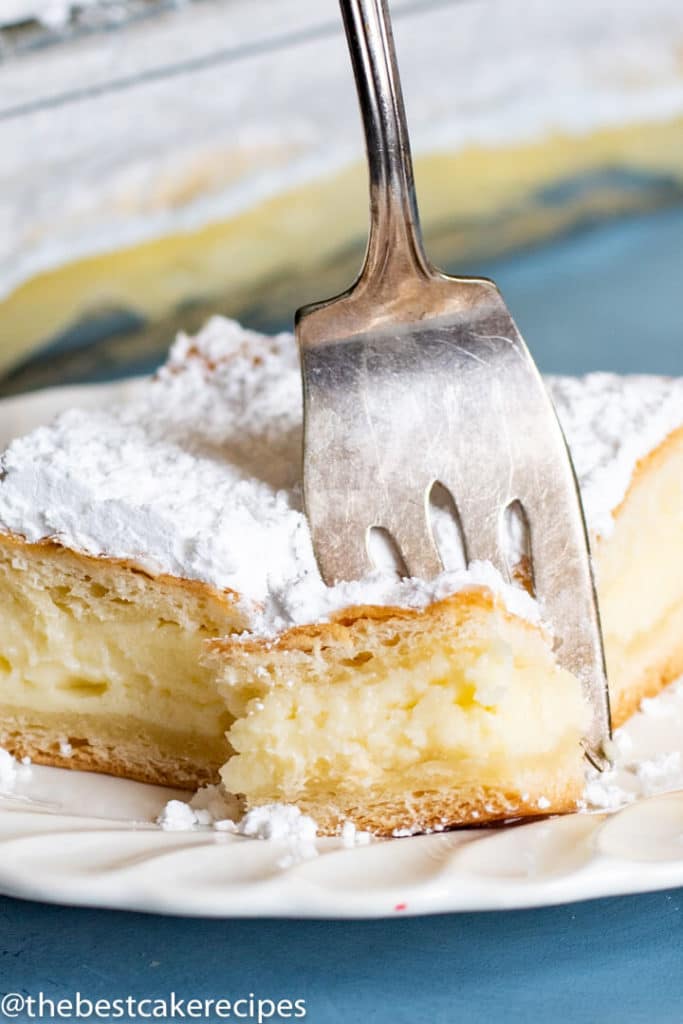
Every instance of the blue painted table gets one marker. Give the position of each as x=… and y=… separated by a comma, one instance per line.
x=614, y=961
x=580, y=302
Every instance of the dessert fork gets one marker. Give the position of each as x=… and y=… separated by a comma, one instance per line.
x=412, y=378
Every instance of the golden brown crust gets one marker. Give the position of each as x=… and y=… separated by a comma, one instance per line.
x=649, y=684
x=140, y=761
x=320, y=634
x=101, y=761
x=227, y=600
x=430, y=812
x=647, y=464
x=626, y=696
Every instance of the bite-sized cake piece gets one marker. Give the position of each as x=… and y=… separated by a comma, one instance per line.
x=402, y=719
x=159, y=589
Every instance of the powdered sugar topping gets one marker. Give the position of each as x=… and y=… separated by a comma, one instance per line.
x=198, y=475
x=611, y=423
x=12, y=770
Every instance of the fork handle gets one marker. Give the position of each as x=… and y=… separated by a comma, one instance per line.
x=395, y=246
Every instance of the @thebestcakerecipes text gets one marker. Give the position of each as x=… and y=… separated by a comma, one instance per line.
x=171, y=1006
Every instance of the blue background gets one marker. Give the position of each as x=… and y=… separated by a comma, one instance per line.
x=606, y=297
x=604, y=962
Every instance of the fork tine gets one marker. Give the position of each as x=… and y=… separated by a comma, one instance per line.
x=409, y=531
x=565, y=590
x=482, y=532
x=341, y=536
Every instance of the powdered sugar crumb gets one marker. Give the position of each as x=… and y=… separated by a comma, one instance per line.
x=350, y=836
x=278, y=821
x=654, y=707
x=660, y=774
x=177, y=816
x=8, y=771
x=620, y=746
x=212, y=807
x=225, y=825
x=283, y=823
x=604, y=793
x=12, y=771
x=631, y=778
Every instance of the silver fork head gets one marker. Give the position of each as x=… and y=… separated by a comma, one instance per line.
x=412, y=377
x=400, y=395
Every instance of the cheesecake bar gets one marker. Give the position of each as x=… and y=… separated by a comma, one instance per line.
x=161, y=612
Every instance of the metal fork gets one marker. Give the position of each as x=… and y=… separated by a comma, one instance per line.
x=413, y=377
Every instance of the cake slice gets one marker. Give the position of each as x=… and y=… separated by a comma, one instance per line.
x=626, y=438
x=161, y=612
x=406, y=720
x=394, y=718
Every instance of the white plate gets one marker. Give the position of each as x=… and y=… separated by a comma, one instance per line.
x=71, y=837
